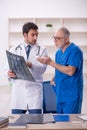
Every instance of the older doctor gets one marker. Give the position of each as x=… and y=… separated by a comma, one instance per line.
x=27, y=95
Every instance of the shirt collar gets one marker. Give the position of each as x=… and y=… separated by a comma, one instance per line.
x=25, y=44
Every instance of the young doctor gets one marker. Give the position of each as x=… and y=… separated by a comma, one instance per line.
x=27, y=95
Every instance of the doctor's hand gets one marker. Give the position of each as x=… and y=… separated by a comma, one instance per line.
x=11, y=74
x=45, y=60
x=29, y=64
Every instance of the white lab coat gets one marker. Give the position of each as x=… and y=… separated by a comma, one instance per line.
x=26, y=92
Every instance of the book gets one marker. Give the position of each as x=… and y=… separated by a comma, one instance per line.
x=4, y=124
x=3, y=120
x=18, y=65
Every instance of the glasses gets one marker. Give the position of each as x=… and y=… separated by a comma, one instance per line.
x=57, y=38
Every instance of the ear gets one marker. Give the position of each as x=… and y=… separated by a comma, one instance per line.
x=67, y=39
x=25, y=35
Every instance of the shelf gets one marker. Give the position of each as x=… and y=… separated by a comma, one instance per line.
x=85, y=60
x=84, y=45
x=17, y=23
x=85, y=85
x=84, y=72
x=78, y=31
x=79, y=39
x=47, y=32
x=85, y=79
x=41, y=22
x=41, y=32
x=15, y=33
x=76, y=24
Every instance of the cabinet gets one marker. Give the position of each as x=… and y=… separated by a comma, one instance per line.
x=77, y=26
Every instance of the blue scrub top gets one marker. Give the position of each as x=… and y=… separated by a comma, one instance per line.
x=69, y=88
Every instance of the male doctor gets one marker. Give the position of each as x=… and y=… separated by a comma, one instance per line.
x=27, y=95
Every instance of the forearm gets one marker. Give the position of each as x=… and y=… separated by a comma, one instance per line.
x=69, y=70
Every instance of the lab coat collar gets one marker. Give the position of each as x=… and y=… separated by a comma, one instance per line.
x=25, y=44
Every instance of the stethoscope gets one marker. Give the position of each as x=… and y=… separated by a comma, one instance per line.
x=19, y=47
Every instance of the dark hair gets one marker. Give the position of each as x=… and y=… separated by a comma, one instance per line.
x=28, y=26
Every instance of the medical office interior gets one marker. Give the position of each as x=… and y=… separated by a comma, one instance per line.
x=14, y=13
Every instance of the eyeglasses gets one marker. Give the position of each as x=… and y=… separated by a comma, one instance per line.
x=57, y=38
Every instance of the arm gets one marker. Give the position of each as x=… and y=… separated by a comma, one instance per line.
x=69, y=70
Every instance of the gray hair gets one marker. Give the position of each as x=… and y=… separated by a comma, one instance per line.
x=65, y=31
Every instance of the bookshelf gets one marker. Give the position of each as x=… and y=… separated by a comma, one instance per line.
x=77, y=26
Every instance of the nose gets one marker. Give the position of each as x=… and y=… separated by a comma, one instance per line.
x=55, y=40
x=35, y=37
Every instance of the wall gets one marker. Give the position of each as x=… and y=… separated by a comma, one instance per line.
x=34, y=8
x=30, y=8
x=5, y=100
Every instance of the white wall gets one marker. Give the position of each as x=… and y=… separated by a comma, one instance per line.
x=34, y=8
x=5, y=100
x=30, y=8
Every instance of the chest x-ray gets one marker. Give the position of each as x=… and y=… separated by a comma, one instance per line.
x=18, y=65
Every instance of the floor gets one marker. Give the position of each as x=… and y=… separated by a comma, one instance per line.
x=5, y=100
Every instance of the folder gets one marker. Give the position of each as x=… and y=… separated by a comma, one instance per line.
x=61, y=118
x=25, y=119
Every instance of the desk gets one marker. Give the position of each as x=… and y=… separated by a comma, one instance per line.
x=74, y=124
